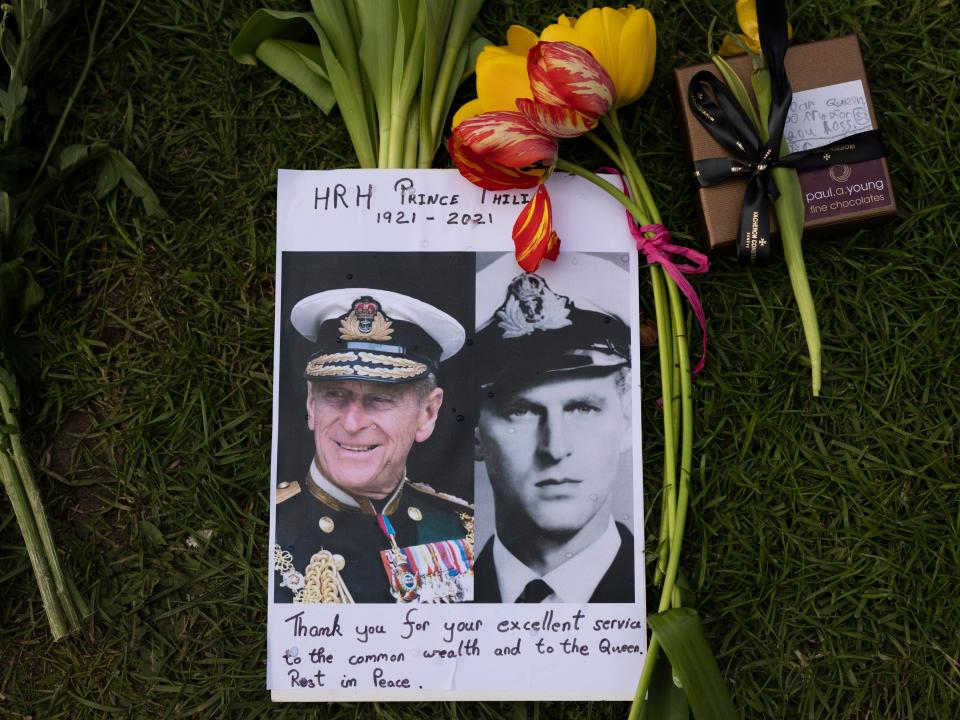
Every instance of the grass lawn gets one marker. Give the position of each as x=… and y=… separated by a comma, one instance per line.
x=824, y=540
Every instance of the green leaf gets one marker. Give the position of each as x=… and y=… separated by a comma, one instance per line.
x=136, y=183
x=297, y=63
x=452, y=66
x=666, y=700
x=378, y=32
x=108, y=177
x=790, y=212
x=275, y=39
x=681, y=636
x=73, y=155
x=32, y=293
x=738, y=89
x=760, y=80
x=474, y=47
x=151, y=533
x=23, y=235
x=270, y=24
x=8, y=44
x=350, y=99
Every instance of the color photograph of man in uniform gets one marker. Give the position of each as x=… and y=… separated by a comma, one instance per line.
x=356, y=528
x=554, y=431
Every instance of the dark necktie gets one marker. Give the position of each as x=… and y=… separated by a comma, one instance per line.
x=534, y=592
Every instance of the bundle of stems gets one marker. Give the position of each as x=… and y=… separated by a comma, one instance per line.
x=24, y=34
x=62, y=603
x=392, y=66
x=27, y=33
x=692, y=661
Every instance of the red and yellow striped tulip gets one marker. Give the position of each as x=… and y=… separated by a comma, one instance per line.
x=533, y=235
x=501, y=151
x=571, y=90
x=623, y=41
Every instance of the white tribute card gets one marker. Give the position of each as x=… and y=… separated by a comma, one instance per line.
x=456, y=487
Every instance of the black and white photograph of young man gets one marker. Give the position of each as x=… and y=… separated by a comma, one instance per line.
x=554, y=437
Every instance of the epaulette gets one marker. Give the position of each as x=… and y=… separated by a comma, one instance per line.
x=287, y=490
x=428, y=490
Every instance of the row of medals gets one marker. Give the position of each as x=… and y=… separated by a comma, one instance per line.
x=444, y=585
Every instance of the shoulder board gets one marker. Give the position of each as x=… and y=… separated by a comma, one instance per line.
x=427, y=490
x=285, y=491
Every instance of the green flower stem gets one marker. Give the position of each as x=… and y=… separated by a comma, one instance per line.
x=84, y=71
x=612, y=123
x=665, y=345
x=28, y=508
x=676, y=497
x=628, y=203
x=790, y=216
x=28, y=527
x=638, y=708
x=606, y=149
x=678, y=416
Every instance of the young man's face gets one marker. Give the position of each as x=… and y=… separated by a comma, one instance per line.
x=552, y=451
x=363, y=431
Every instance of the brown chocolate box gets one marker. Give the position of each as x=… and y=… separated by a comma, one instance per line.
x=828, y=204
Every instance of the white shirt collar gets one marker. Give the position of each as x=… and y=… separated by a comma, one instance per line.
x=328, y=487
x=572, y=582
x=338, y=493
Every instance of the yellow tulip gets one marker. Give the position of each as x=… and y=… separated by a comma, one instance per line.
x=623, y=41
x=747, y=19
x=501, y=76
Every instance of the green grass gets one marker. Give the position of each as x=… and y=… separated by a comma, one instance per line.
x=824, y=541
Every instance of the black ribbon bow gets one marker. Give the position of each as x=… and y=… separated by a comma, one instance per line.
x=720, y=113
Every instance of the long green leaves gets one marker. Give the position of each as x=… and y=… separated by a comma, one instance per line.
x=789, y=209
x=681, y=636
x=392, y=66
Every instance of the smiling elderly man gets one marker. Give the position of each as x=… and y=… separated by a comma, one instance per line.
x=554, y=359
x=358, y=530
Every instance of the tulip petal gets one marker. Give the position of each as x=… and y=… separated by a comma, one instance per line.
x=733, y=45
x=484, y=173
x=501, y=79
x=508, y=139
x=601, y=27
x=747, y=19
x=564, y=33
x=520, y=40
x=467, y=111
x=533, y=234
x=637, y=55
x=559, y=121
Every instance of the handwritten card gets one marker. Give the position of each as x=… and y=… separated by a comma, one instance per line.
x=824, y=114
x=456, y=505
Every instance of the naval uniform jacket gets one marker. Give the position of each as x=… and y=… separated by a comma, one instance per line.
x=616, y=585
x=311, y=520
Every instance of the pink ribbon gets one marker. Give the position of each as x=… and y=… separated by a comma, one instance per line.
x=659, y=250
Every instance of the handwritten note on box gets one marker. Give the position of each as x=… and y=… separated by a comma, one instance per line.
x=824, y=114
